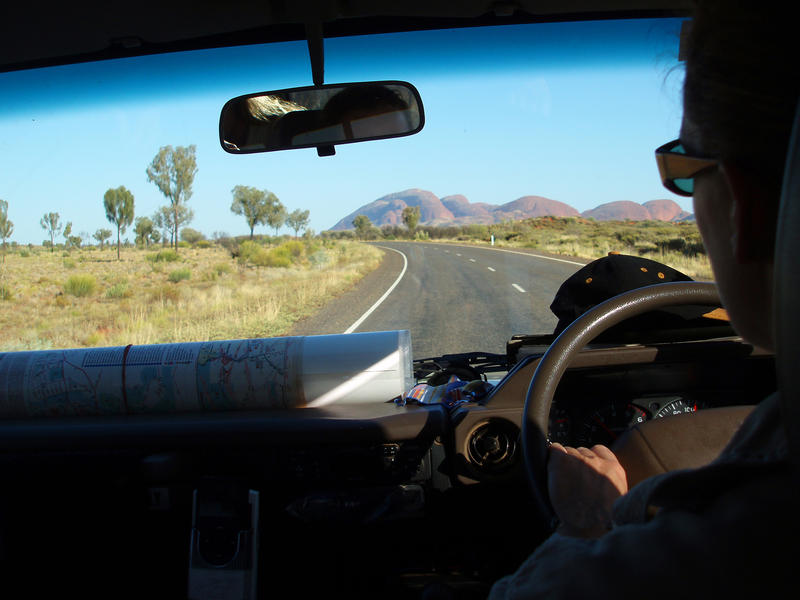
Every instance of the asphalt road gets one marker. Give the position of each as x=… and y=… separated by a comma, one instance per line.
x=451, y=298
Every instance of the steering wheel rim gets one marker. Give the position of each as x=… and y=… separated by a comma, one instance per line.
x=554, y=362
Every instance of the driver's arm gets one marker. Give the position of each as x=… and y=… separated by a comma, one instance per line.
x=719, y=531
x=734, y=547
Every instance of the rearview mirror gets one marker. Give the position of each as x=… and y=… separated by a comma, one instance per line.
x=320, y=116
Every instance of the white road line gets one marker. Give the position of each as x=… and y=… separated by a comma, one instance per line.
x=363, y=317
x=471, y=260
x=528, y=254
x=457, y=254
x=516, y=287
x=491, y=269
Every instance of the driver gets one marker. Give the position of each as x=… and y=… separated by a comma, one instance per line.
x=727, y=529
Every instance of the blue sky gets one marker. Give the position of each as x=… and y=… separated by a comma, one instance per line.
x=572, y=112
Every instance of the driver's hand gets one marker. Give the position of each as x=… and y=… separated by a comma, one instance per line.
x=583, y=484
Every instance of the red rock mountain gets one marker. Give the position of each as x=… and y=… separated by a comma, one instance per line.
x=458, y=210
x=622, y=210
x=533, y=206
x=666, y=210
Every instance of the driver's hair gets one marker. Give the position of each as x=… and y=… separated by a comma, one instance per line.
x=741, y=86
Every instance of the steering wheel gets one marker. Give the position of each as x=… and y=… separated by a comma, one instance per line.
x=551, y=367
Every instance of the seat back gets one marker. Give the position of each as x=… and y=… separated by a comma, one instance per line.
x=787, y=293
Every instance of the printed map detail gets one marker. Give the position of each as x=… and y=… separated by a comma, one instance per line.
x=238, y=374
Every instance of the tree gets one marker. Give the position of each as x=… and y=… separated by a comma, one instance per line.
x=173, y=171
x=411, y=217
x=252, y=204
x=362, y=225
x=6, y=226
x=67, y=233
x=276, y=212
x=161, y=222
x=169, y=220
x=143, y=228
x=118, y=203
x=51, y=223
x=191, y=235
x=101, y=235
x=297, y=220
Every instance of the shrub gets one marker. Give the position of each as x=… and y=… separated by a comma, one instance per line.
x=118, y=290
x=319, y=259
x=294, y=248
x=166, y=293
x=280, y=257
x=222, y=268
x=179, y=275
x=163, y=256
x=253, y=253
x=5, y=292
x=80, y=285
x=69, y=263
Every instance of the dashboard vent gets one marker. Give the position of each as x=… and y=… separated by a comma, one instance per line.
x=492, y=446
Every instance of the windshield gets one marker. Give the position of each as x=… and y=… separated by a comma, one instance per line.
x=535, y=158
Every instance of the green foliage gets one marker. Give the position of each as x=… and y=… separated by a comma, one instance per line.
x=101, y=235
x=80, y=285
x=144, y=228
x=5, y=292
x=180, y=275
x=163, y=256
x=222, y=268
x=191, y=236
x=252, y=204
x=51, y=223
x=297, y=220
x=294, y=248
x=362, y=225
x=173, y=171
x=6, y=226
x=411, y=216
x=69, y=263
x=253, y=253
x=283, y=256
x=276, y=212
x=118, y=291
x=319, y=258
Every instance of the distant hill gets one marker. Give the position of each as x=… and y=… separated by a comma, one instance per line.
x=458, y=210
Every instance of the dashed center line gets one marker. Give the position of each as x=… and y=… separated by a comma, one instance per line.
x=518, y=288
x=491, y=269
x=457, y=254
x=471, y=260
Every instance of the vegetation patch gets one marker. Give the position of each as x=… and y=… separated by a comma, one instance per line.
x=163, y=256
x=180, y=275
x=80, y=285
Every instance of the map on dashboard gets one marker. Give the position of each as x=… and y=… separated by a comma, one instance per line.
x=197, y=376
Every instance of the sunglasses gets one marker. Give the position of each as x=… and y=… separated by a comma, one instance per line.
x=679, y=169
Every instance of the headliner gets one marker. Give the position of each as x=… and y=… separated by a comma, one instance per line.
x=35, y=35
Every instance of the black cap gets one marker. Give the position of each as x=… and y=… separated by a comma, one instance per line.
x=614, y=274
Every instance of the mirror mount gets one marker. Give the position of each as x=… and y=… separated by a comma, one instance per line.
x=316, y=52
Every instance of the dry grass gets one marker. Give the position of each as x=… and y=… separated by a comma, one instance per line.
x=134, y=300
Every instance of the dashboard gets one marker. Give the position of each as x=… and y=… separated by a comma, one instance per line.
x=373, y=499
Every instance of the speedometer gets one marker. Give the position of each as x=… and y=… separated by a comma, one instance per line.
x=675, y=407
